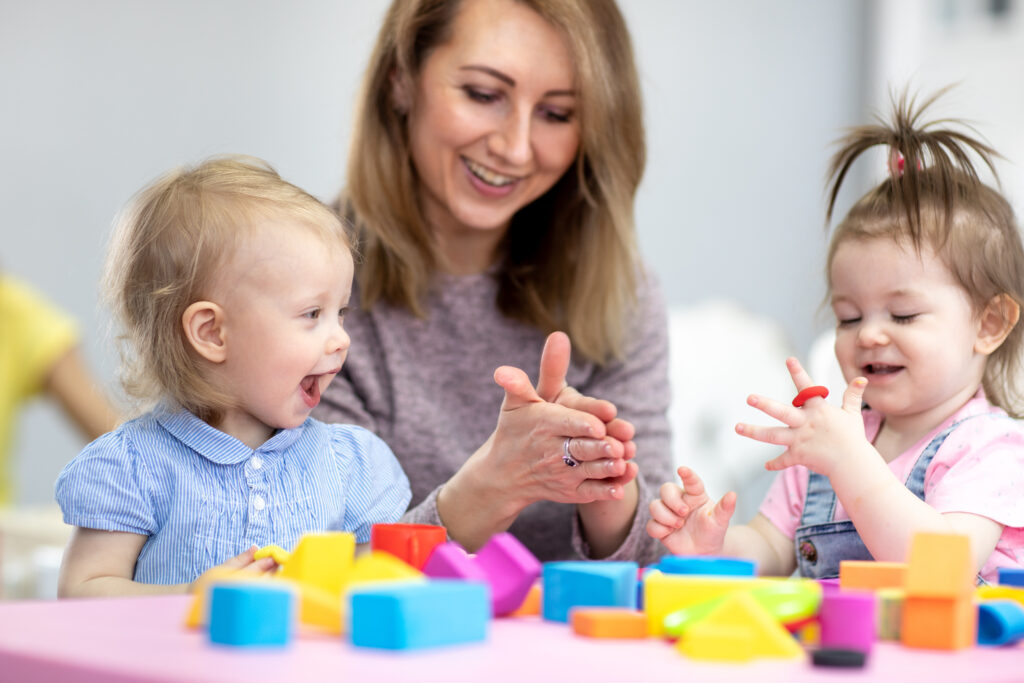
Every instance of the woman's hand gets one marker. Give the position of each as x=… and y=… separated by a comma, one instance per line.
x=816, y=435
x=686, y=520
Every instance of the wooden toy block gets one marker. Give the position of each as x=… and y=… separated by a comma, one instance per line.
x=866, y=575
x=741, y=614
x=587, y=584
x=715, y=643
x=1000, y=593
x=608, y=622
x=322, y=560
x=890, y=613
x=667, y=593
x=1011, y=576
x=1000, y=622
x=706, y=565
x=378, y=565
x=939, y=623
x=531, y=603
x=790, y=602
x=940, y=566
x=503, y=562
x=511, y=570
x=408, y=616
x=280, y=555
x=848, y=620
x=411, y=543
x=252, y=614
x=198, y=611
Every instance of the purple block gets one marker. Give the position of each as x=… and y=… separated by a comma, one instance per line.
x=511, y=570
x=450, y=561
x=848, y=620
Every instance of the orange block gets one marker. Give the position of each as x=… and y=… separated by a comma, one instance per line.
x=858, y=574
x=608, y=622
x=531, y=603
x=939, y=623
x=940, y=566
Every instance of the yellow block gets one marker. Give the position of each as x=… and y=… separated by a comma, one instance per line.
x=742, y=614
x=717, y=643
x=377, y=566
x=666, y=593
x=322, y=560
x=940, y=566
x=1000, y=593
x=319, y=608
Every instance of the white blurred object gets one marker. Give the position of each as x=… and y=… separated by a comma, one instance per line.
x=32, y=541
x=720, y=354
x=823, y=367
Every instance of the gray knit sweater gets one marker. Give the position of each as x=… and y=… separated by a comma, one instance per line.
x=426, y=387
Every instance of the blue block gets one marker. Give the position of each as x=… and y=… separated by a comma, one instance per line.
x=587, y=584
x=251, y=614
x=706, y=565
x=1000, y=622
x=1011, y=576
x=409, y=616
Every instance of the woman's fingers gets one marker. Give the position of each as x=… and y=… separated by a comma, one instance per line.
x=519, y=391
x=554, y=364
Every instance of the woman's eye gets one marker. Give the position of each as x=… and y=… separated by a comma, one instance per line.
x=557, y=115
x=481, y=96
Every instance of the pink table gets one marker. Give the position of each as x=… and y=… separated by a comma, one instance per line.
x=142, y=639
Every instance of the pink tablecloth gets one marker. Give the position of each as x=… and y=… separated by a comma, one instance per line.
x=142, y=639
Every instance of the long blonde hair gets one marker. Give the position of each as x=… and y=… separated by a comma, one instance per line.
x=569, y=260
x=165, y=250
x=934, y=197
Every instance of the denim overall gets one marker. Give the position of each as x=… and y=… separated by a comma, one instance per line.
x=822, y=544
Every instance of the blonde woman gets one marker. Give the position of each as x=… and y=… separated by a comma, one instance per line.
x=496, y=154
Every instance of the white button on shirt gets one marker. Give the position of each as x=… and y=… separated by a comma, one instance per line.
x=256, y=462
x=258, y=503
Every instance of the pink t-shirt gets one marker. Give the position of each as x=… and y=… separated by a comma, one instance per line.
x=978, y=469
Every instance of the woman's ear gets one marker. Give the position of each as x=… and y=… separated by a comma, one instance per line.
x=203, y=323
x=997, y=321
x=401, y=91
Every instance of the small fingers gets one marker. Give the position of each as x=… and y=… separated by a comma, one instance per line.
x=853, y=397
x=661, y=514
x=724, y=509
x=783, y=412
x=671, y=496
x=780, y=463
x=801, y=379
x=780, y=436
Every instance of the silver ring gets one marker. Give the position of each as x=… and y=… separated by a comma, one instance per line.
x=567, y=456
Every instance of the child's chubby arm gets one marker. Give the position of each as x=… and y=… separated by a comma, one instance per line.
x=101, y=564
x=830, y=440
x=688, y=522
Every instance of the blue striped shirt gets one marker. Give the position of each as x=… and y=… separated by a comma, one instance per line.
x=202, y=496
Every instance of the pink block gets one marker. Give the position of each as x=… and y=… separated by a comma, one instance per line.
x=848, y=620
x=511, y=570
x=450, y=561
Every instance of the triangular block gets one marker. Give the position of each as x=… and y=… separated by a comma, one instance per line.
x=322, y=560
x=739, y=612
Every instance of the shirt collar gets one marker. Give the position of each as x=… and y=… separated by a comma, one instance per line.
x=215, y=445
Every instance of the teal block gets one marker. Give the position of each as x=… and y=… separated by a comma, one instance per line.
x=709, y=565
x=419, y=615
x=587, y=584
x=251, y=615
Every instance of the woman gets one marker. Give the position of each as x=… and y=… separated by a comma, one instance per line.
x=494, y=162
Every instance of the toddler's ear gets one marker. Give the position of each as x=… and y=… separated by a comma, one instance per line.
x=997, y=321
x=203, y=324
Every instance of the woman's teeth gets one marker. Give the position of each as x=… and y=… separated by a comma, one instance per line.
x=488, y=176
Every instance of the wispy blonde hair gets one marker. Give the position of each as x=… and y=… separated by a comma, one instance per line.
x=938, y=200
x=569, y=260
x=165, y=250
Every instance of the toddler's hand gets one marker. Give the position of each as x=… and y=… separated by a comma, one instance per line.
x=686, y=520
x=817, y=435
x=242, y=562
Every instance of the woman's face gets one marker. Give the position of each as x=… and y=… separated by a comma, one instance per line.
x=493, y=122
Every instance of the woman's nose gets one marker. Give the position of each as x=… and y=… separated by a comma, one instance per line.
x=511, y=141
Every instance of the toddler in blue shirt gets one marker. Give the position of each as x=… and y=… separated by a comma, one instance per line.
x=231, y=287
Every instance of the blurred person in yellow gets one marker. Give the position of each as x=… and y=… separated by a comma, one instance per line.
x=39, y=354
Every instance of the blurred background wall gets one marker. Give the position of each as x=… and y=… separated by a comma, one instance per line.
x=743, y=98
